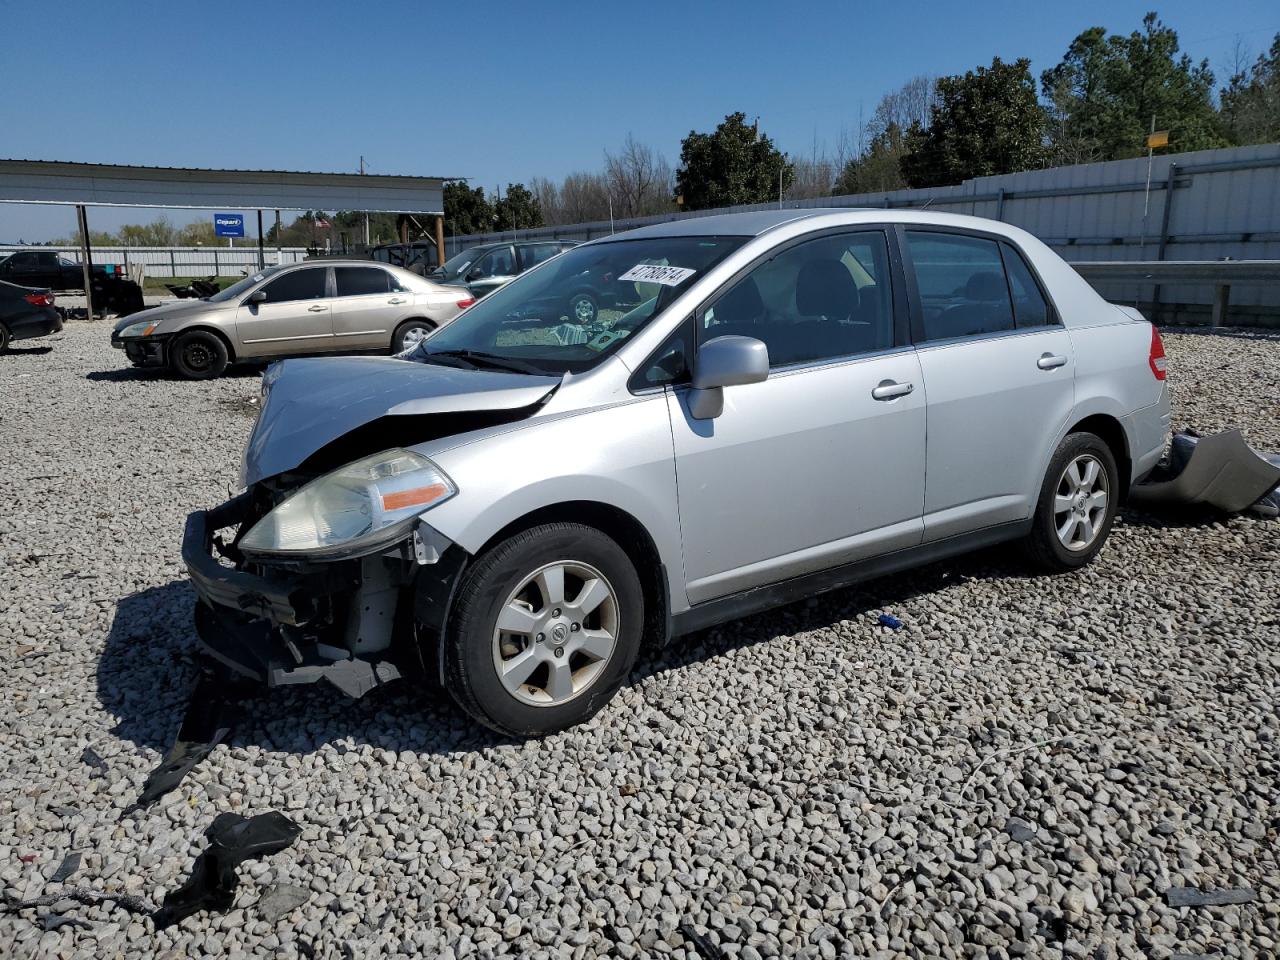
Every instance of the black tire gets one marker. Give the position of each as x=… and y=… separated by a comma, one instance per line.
x=406, y=330
x=469, y=670
x=584, y=307
x=198, y=355
x=4, y=338
x=1043, y=545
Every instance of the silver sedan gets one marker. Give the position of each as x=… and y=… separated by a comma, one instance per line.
x=319, y=307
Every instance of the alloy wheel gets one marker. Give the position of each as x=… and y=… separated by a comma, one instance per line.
x=555, y=633
x=1080, y=502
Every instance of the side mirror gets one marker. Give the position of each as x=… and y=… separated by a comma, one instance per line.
x=258, y=296
x=474, y=275
x=725, y=362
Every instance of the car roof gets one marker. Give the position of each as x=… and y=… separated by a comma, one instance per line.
x=756, y=222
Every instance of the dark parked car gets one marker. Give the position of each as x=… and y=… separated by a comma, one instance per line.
x=485, y=268
x=418, y=256
x=26, y=312
x=113, y=291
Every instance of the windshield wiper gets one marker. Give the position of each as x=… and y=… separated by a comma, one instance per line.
x=479, y=358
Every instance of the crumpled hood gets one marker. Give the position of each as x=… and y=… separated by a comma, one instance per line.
x=312, y=402
x=165, y=311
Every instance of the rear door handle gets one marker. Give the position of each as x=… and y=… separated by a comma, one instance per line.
x=1049, y=361
x=397, y=300
x=318, y=308
x=890, y=389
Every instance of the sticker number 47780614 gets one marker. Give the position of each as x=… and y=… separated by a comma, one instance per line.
x=656, y=273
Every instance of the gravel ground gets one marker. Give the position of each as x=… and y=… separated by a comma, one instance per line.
x=1024, y=770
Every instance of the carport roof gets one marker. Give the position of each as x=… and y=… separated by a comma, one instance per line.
x=100, y=184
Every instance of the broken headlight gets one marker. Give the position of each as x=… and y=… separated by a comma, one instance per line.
x=359, y=507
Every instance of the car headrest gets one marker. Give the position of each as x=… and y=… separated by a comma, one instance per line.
x=825, y=288
x=985, y=286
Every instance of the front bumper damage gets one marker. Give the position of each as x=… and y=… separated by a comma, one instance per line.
x=143, y=351
x=358, y=623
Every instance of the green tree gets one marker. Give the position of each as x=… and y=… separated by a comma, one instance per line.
x=1104, y=94
x=735, y=164
x=985, y=122
x=160, y=232
x=518, y=210
x=878, y=169
x=1251, y=102
x=195, y=233
x=466, y=210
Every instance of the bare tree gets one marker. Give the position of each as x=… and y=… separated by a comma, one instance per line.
x=640, y=180
x=910, y=103
x=548, y=196
x=584, y=197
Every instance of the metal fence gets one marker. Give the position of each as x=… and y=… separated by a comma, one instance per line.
x=181, y=261
x=1206, y=205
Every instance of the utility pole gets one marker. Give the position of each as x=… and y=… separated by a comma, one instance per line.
x=366, y=216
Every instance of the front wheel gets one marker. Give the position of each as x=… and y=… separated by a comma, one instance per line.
x=411, y=333
x=4, y=338
x=1077, y=504
x=198, y=355
x=545, y=629
x=583, y=308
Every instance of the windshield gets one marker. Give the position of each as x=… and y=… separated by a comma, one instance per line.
x=460, y=261
x=578, y=308
x=242, y=286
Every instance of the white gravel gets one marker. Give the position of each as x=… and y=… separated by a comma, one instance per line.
x=1023, y=770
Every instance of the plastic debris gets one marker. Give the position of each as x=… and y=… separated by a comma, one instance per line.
x=207, y=722
x=701, y=943
x=890, y=621
x=67, y=869
x=1195, y=897
x=232, y=840
x=1220, y=471
x=94, y=760
x=90, y=897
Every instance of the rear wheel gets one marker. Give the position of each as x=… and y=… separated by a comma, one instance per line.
x=1077, y=504
x=4, y=338
x=198, y=355
x=411, y=333
x=545, y=629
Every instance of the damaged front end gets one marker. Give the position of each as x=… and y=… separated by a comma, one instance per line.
x=324, y=568
x=354, y=622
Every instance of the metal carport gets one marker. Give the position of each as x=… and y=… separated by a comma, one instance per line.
x=114, y=185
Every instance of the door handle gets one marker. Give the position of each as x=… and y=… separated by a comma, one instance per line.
x=1049, y=361
x=891, y=389
x=317, y=309
x=397, y=300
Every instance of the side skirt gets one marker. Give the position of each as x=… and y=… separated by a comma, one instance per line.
x=738, y=605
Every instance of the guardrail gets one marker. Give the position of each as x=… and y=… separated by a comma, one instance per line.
x=1220, y=273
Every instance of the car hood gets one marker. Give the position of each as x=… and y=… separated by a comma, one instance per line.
x=169, y=311
x=311, y=403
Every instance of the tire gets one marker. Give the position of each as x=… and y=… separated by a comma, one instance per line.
x=198, y=355
x=409, y=334
x=582, y=659
x=1085, y=520
x=4, y=338
x=583, y=307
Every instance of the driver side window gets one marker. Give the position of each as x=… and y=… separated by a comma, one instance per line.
x=307, y=284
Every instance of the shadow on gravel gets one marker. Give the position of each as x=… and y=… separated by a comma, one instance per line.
x=26, y=351
x=147, y=671
x=1171, y=517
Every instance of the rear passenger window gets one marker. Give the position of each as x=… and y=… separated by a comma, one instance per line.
x=537, y=253
x=819, y=300
x=307, y=284
x=962, y=286
x=361, y=281
x=1029, y=306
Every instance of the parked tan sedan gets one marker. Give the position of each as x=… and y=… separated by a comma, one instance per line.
x=317, y=307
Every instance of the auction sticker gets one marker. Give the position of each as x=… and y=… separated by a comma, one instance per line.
x=656, y=273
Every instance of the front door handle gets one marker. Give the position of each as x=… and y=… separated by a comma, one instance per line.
x=317, y=309
x=890, y=389
x=1050, y=361
x=397, y=300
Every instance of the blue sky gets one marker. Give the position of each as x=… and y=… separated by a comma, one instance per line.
x=497, y=91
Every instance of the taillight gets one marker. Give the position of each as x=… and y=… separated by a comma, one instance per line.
x=39, y=299
x=1157, y=358
x=463, y=304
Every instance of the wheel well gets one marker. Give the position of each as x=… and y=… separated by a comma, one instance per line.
x=1109, y=430
x=427, y=320
x=630, y=534
x=226, y=342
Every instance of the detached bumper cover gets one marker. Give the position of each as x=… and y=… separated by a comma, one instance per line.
x=1221, y=471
